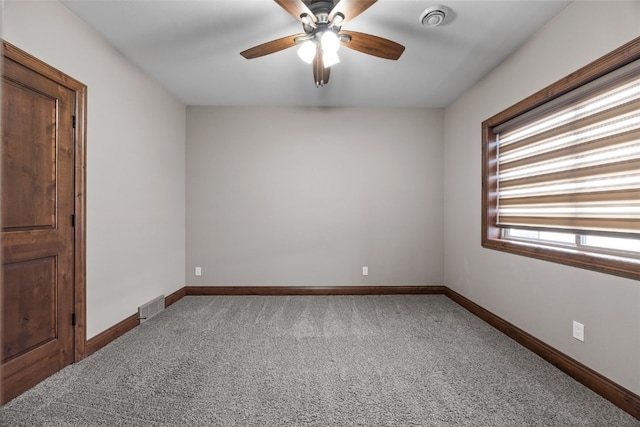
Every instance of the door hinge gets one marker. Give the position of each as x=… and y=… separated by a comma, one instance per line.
x=73, y=319
x=73, y=220
x=74, y=121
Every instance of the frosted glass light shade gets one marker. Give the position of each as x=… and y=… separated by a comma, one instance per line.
x=330, y=58
x=307, y=51
x=329, y=42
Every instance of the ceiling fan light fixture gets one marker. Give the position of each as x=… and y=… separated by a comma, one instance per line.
x=329, y=42
x=307, y=51
x=307, y=20
x=329, y=59
x=338, y=19
x=318, y=45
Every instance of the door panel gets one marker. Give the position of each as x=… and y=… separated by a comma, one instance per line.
x=37, y=231
x=31, y=193
x=35, y=311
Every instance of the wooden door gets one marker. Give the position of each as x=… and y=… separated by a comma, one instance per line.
x=38, y=227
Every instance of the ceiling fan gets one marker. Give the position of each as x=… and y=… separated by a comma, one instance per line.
x=322, y=22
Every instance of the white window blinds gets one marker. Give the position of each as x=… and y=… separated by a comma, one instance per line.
x=574, y=163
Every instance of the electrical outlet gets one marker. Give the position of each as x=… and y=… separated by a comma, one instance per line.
x=365, y=270
x=198, y=271
x=578, y=331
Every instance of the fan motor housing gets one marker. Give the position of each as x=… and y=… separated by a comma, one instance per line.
x=321, y=9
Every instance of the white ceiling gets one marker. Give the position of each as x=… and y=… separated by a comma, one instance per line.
x=192, y=47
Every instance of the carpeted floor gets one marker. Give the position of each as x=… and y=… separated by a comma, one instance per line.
x=404, y=360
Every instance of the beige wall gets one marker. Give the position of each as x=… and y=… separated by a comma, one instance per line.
x=135, y=157
x=540, y=297
x=307, y=196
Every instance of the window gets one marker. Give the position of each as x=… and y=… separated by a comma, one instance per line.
x=629, y=247
x=561, y=169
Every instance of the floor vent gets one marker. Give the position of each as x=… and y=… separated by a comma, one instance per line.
x=150, y=309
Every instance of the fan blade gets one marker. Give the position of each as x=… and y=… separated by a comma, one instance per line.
x=296, y=8
x=373, y=45
x=271, y=47
x=320, y=73
x=350, y=8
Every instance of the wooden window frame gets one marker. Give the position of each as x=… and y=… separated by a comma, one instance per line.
x=491, y=233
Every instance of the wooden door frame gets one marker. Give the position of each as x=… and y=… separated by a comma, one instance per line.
x=80, y=185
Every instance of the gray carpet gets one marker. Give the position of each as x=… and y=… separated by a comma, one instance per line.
x=404, y=360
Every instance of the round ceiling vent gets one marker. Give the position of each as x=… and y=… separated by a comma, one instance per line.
x=433, y=16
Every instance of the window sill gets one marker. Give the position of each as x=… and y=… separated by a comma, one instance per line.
x=603, y=263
